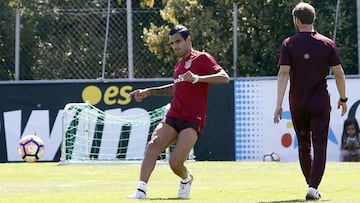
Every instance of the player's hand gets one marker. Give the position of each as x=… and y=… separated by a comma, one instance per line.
x=188, y=76
x=343, y=107
x=278, y=114
x=140, y=94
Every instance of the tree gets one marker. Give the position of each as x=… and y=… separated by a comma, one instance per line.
x=65, y=39
x=7, y=42
x=208, y=32
x=262, y=25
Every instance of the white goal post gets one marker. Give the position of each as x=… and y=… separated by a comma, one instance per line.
x=91, y=135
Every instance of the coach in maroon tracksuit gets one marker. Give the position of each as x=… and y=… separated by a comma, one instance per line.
x=305, y=58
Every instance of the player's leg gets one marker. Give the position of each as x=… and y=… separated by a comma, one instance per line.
x=305, y=157
x=319, y=126
x=185, y=142
x=302, y=129
x=320, y=130
x=163, y=136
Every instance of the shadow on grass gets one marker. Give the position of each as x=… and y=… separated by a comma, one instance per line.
x=283, y=201
x=293, y=200
x=170, y=198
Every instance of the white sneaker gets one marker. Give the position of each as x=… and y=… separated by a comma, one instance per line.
x=138, y=194
x=312, y=194
x=184, y=188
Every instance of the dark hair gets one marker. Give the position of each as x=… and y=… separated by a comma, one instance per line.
x=180, y=29
x=348, y=122
x=304, y=12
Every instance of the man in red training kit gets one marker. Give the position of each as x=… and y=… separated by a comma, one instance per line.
x=306, y=58
x=184, y=121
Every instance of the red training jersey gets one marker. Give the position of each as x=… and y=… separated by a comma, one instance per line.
x=190, y=100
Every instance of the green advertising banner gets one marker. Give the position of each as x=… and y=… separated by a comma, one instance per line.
x=37, y=108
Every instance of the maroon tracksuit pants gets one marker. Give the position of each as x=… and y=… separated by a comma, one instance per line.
x=312, y=133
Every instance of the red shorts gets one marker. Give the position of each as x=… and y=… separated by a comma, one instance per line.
x=180, y=125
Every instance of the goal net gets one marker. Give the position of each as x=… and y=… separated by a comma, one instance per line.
x=110, y=136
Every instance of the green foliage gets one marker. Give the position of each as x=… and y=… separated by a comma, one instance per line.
x=7, y=44
x=262, y=25
x=208, y=35
x=260, y=35
x=65, y=39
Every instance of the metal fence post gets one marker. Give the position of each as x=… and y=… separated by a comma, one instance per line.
x=17, y=44
x=235, y=47
x=106, y=39
x=130, y=39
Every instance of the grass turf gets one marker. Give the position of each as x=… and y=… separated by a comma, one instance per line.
x=220, y=182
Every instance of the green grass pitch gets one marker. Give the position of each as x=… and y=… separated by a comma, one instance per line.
x=220, y=182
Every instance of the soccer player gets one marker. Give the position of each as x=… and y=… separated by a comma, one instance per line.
x=183, y=123
x=305, y=58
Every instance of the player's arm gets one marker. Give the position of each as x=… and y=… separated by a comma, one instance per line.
x=217, y=78
x=165, y=90
x=340, y=84
x=283, y=78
